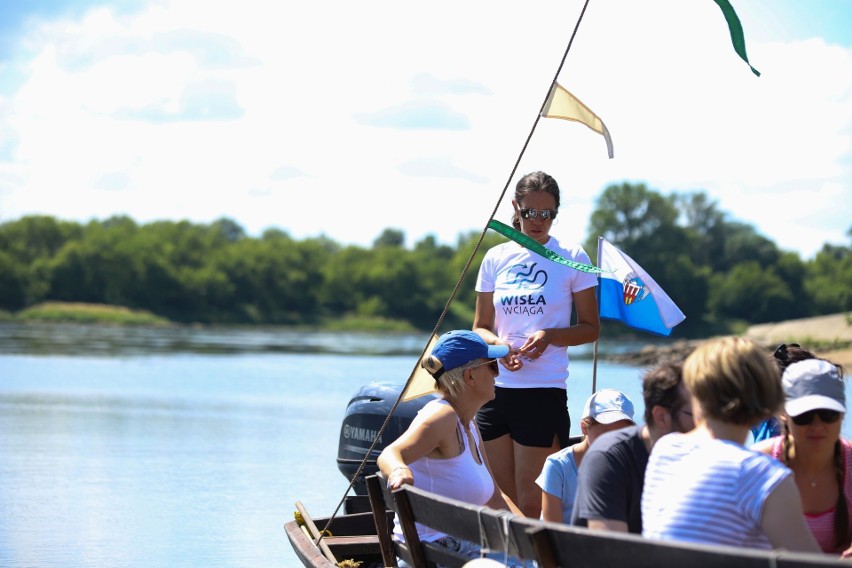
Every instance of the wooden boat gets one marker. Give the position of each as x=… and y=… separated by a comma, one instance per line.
x=352, y=539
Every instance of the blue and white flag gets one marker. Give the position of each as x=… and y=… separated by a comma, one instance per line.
x=628, y=294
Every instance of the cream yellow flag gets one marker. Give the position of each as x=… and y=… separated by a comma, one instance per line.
x=562, y=104
x=421, y=382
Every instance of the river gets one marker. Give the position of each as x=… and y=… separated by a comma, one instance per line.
x=132, y=447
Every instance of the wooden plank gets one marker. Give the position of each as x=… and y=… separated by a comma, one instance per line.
x=785, y=559
x=314, y=532
x=405, y=516
x=349, y=546
x=520, y=539
x=305, y=548
x=581, y=548
x=379, y=507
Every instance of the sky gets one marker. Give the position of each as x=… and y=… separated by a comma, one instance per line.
x=343, y=119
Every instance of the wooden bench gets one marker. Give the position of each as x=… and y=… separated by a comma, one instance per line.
x=559, y=545
x=487, y=527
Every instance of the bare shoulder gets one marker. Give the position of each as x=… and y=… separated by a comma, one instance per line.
x=438, y=416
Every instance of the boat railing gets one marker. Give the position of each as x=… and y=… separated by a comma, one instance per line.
x=487, y=527
x=551, y=545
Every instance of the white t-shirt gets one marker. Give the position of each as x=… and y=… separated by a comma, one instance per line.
x=532, y=293
x=708, y=491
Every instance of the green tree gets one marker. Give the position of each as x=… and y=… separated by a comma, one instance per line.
x=829, y=280
x=751, y=293
x=12, y=283
x=393, y=238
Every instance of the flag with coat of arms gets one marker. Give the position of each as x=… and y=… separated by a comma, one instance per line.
x=628, y=294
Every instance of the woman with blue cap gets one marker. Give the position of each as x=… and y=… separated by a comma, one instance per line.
x=441, y=451
x=811, y=446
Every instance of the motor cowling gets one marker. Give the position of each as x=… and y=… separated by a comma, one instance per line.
x=366, y=412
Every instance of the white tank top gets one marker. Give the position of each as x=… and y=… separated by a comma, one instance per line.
x=458, y=478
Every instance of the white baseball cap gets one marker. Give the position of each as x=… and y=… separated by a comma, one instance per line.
x=607, y=406
x=813, y=384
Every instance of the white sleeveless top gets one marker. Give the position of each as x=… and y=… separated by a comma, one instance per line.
x=458, y=478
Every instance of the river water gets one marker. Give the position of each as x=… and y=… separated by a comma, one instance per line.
x=132, y=447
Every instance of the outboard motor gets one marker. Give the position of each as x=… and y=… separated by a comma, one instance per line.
x=365, y=414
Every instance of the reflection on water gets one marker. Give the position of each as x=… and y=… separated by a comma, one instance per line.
x=80, y=339
x=70, y=339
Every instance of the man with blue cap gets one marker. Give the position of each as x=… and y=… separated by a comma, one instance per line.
x=441, y=451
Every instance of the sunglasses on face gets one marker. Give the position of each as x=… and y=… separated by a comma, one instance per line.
x=543, y=214
x=492, y=364
x=827, y=417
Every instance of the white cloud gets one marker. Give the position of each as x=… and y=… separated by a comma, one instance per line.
x=270, y=118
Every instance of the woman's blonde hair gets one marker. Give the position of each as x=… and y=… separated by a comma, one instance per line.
x=451, y=383
x=734, y=380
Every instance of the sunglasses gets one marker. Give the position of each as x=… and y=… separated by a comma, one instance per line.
x=543, y=214
x=492, y=364
x=827, y=417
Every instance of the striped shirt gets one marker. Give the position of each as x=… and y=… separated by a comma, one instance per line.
x=822, y=523
x=708, y=491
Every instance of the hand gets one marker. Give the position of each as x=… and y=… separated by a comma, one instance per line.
x=847, y=553
x=512, y=361
x=400, y=476
x=535, y=345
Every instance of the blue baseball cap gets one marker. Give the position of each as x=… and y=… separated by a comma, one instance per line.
x=460, y=346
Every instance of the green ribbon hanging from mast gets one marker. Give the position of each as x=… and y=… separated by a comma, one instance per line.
x=736, y=29
x=537, y=247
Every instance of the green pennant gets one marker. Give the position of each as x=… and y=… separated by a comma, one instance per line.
x=736, y=29
x=537, y=247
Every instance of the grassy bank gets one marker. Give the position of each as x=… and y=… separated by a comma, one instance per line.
x=79, y=312
x=74, y=312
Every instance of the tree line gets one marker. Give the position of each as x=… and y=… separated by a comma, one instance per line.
x=719, y=271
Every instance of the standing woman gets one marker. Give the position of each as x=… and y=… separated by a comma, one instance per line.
x=525, y=301
x=810, y=445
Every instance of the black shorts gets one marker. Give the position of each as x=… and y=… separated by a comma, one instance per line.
x=531, y=417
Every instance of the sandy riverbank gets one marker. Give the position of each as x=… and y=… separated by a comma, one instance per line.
x=827, y=336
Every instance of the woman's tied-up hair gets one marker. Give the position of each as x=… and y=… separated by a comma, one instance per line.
x=451, y=382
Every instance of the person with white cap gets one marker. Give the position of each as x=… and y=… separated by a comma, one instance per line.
x=604, y=411
x=609, y=484
x=810, y=445
x=441, y=450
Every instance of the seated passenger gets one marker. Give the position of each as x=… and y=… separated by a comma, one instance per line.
x=605, y=411
x=609, y=483
x=441, y=451
x=705, y=486
x=785, y=355
x=811, y=446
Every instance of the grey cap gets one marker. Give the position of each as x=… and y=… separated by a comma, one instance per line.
x=813, y=384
